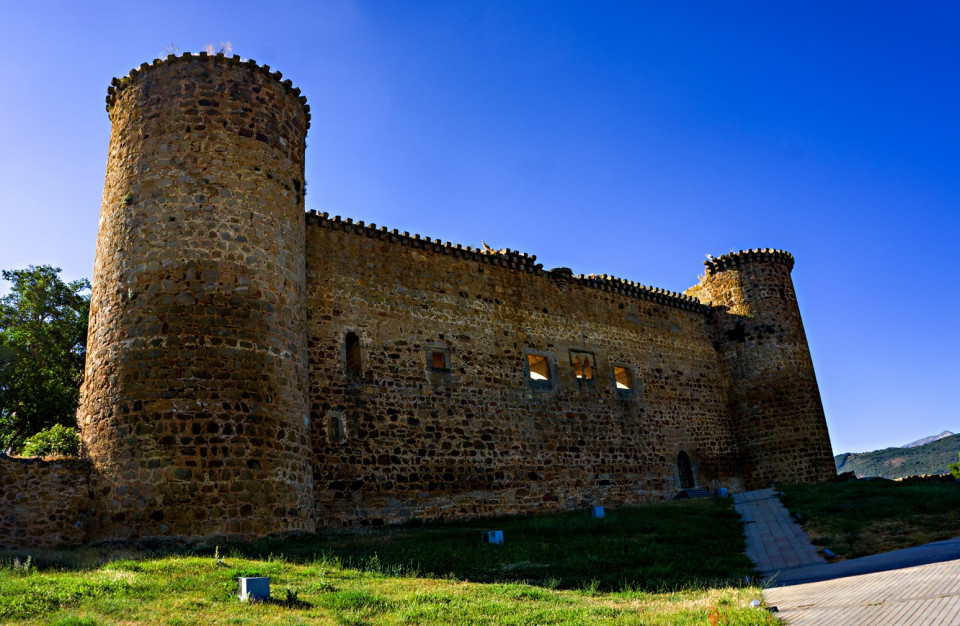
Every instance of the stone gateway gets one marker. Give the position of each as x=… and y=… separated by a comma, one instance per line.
x=254, y=369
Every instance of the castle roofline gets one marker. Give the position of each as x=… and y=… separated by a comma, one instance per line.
x=757, y=255
x=117, y=85
x=510, y=259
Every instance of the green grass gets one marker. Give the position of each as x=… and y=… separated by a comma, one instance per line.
x=662, y=547
x=674, y=563
x=858, y=518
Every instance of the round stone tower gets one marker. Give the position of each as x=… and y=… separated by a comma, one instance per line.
x=194, y=408
x=774, y=398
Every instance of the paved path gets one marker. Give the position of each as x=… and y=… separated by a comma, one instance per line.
x=923, y=595
x=774, y=541
x=937, y=552
x=915, y=586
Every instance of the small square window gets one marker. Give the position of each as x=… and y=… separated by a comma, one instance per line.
x=539, y=367
x=621, y=376
x=438, y=360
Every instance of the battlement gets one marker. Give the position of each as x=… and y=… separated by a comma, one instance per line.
x=739, y=258
x=510, y=259
x=117, y=85
x=643, y=292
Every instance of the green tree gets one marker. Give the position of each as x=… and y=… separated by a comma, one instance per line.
x=58, y=440
x=955, y=468
x=43, y=337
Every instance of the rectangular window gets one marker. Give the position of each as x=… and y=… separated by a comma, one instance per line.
x=622, y=377
x=438, y=360
x=539, y=367
x=337, y=432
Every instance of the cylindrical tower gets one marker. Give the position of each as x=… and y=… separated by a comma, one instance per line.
x=774, y=398
x=194, y=409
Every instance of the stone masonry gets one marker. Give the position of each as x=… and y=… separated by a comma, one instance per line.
x=194, y=407
x=44, y=504
x=255, y=370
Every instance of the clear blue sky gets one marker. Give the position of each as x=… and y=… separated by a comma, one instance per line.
x=621, y=138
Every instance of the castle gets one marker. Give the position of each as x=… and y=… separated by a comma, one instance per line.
x=254, y=369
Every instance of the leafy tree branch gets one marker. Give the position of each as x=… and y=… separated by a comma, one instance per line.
x=43, y=338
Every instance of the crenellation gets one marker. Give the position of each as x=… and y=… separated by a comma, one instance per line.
x=117, y=85
x=735, y=259
x=513, y=259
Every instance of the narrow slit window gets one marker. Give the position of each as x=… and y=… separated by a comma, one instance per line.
x=587, y=369
x=353, y=367
x=622, y=376
x=577, y=367
x=338, y=429
x=539, y=367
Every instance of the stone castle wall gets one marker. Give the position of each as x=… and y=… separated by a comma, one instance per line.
x=405, y=440
x=252, y=370
x=44, y=504
x=774, y=398
x=194, y=403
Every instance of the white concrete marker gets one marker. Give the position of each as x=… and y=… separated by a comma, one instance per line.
x=256, y=589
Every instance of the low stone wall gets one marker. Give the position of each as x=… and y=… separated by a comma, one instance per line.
x=43, y=504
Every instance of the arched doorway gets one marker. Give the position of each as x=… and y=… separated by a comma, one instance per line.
x=685, y=469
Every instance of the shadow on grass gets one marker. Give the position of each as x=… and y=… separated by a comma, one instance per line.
x=859, y=518
x=290, y=601
x=664, y=547
x=654, y=548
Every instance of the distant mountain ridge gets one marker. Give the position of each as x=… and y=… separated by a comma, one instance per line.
x=925, y=440
x=913, y=459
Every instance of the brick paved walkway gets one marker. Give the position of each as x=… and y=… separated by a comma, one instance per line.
x=774, y=541
x=923, y=595
x=916, y=586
